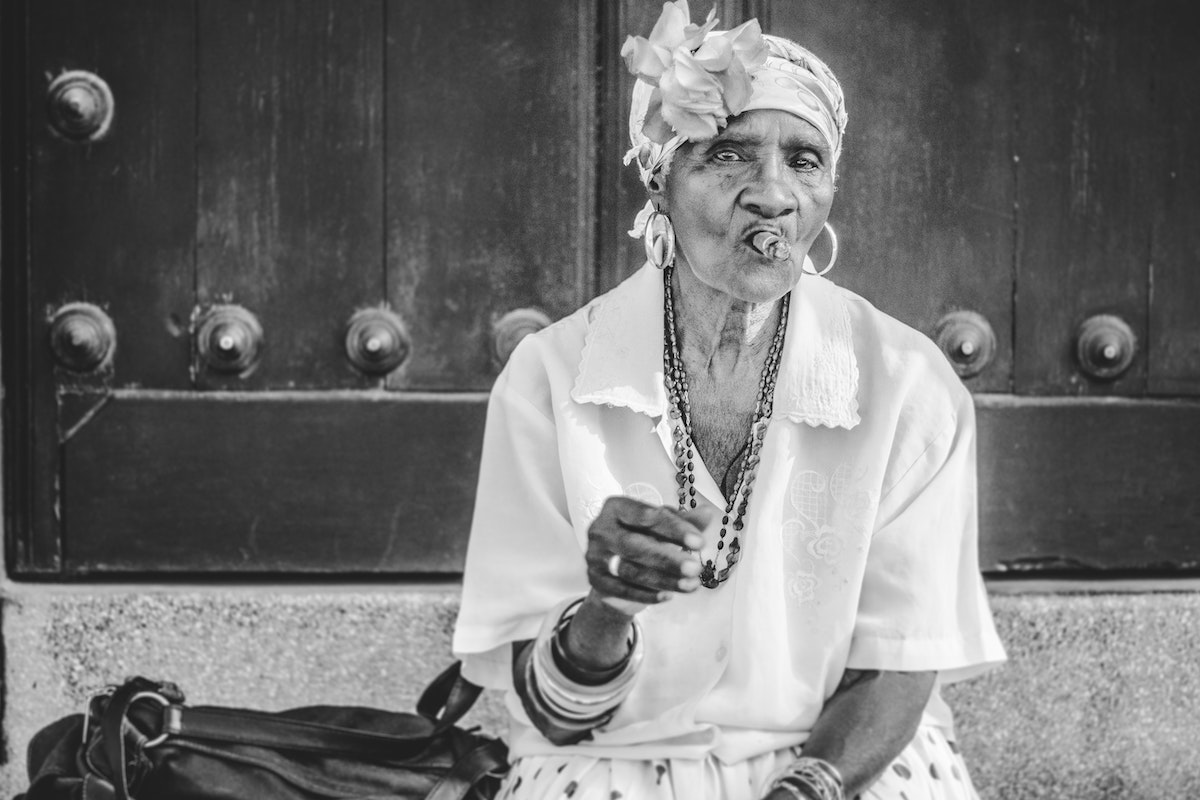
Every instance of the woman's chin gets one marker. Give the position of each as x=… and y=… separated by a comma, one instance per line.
x=748, y=276
x=766, y=282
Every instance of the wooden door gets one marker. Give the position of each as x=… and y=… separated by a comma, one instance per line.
x=1030, y=163
x=285, y=165
x=451, y=170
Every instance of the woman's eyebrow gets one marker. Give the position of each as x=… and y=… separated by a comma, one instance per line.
x=802, y=142
x=742, y=138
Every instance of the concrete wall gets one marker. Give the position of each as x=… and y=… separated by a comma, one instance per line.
x=1100, y=699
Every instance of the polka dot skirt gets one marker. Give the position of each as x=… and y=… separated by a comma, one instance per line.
x=930, y=768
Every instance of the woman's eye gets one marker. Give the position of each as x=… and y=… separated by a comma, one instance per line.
x=726, y=156
x=805, y=163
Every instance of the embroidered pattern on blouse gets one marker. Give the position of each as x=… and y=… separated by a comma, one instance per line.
x=832, y=517
x=605, y=379
x=827, y=382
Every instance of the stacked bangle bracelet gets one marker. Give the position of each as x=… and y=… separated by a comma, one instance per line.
x=809, y=778
x=576, y=698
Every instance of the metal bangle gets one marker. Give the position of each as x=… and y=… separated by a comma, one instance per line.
x=572, y=704
x=792, y=790
x=562, y=718
x=574, y=699
x=815, y=774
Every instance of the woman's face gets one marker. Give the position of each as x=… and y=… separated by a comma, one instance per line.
x=768, y=170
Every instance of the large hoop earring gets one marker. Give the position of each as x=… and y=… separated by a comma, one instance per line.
x=833, y=253
x=659, y=239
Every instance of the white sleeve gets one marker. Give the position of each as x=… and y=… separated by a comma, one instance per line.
x=923, y=604
x=523, y=556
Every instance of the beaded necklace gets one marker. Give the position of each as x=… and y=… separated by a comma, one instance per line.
x=675, y=378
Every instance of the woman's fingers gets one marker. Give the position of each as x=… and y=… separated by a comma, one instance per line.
x=644, y=553
x=663, y=576
x=624, y=590
x=645, y=567
x=643, y=558
x=657, y=521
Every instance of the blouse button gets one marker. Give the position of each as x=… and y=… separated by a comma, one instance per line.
x=721, y=653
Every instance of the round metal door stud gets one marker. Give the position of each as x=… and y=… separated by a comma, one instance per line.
x=1105, y=346
x=967, y=340
x=80, y=106
x=83, y=337
x=377, y=341
x=513, y=327
x=229, y=339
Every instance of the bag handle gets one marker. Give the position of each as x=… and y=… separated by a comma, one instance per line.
x=489, y=758
x=447, y=698
x=112, y=729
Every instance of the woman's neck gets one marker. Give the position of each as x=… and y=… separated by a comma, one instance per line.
x=719, y=335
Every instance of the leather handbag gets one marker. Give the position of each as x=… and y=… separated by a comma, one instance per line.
x=140, y=741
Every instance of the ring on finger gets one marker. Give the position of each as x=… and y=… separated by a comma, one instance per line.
x=614, y=564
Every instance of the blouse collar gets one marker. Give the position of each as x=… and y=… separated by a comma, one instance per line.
x=621, y=364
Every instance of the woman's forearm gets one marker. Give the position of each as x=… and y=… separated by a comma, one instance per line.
x=867, y=722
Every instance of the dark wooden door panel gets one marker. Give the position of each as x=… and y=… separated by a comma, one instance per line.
x=108, y=221
x=490, y=154
x=309, y=483
x=1076, y=485
x=295, y=482
x=1174, y=346
x=291, y=163
x=1085, y=80
x=113, y=220
x=926, y=198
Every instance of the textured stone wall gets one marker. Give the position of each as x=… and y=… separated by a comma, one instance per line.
x=1100, y=699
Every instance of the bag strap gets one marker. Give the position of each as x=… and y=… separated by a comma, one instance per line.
x=265, y=730
x=489, y=758
x=447, y=698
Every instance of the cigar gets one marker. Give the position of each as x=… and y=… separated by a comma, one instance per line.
x=771, y=245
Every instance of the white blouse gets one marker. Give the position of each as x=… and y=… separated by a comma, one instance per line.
x=859, y=549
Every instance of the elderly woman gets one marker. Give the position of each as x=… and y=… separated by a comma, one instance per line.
x=725, y=543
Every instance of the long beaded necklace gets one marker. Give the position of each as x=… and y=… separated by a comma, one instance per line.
x=675, y=378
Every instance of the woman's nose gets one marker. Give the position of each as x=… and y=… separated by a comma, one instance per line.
x=769, y=194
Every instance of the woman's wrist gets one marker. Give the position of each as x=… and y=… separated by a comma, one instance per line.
x=596, y=638
x=581, y=673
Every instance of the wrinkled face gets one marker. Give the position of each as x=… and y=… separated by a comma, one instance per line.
x=768, y=170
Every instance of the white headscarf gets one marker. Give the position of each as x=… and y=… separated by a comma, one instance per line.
x=691, y=79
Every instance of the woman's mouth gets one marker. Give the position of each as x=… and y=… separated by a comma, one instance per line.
x=771, y=245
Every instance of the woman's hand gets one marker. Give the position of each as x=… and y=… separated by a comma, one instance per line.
x=657, y=549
